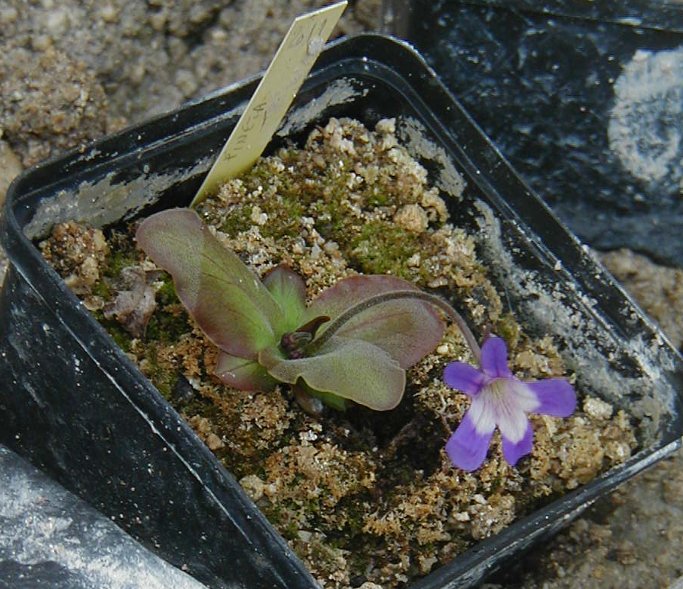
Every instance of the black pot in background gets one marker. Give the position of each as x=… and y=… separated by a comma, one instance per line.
x=584, y=98
x=75, y=405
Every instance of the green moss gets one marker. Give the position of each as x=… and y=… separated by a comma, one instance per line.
x=165, y=382
x=166, y=295
x=116, y=260
x=383, y=248
x=280, y=515
x=508, y=328
x=167, y=325
x=162, y=377
x=237, y=221
x=285, y=213
x=102, y=289
x=353, y=506
x=120, y=259
x=167, y=328
x=284, y=216
x=120, y=336
x=298, y=195
x=322, y=552
x=378, y=198
x=290, y=531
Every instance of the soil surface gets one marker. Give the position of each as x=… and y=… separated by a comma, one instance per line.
x=73, y=70
x=353, y=492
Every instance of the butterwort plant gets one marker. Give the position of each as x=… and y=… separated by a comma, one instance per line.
x=351, y=343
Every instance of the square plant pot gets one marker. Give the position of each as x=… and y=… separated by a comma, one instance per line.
x=75, y=405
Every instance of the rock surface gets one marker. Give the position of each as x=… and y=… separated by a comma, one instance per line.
x=10, y=168
x=50, y=538
x=658, y=289
x=588, y=109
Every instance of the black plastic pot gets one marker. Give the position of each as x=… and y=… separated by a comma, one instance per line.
x=584, y=98
x=75, y=405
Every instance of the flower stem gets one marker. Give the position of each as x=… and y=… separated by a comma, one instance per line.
x=336, y=324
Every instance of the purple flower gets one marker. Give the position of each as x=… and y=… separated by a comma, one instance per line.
x=500, y=399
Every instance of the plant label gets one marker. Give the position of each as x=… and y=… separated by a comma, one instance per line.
x=281, y=82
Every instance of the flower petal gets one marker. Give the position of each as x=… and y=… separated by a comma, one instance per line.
x=555, y=395
x=507, y=406
x=464, y=377
x=514, y=451
x=467, y=447
x=521, y=394
x=494, y=358
x=483, y=412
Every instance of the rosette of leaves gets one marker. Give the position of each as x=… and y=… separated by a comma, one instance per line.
x=336, y=348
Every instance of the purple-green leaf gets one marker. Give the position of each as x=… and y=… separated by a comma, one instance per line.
x=350, y=368
x=243, y=374
x=407, y=329
x=225, y=298
x=289, y=290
